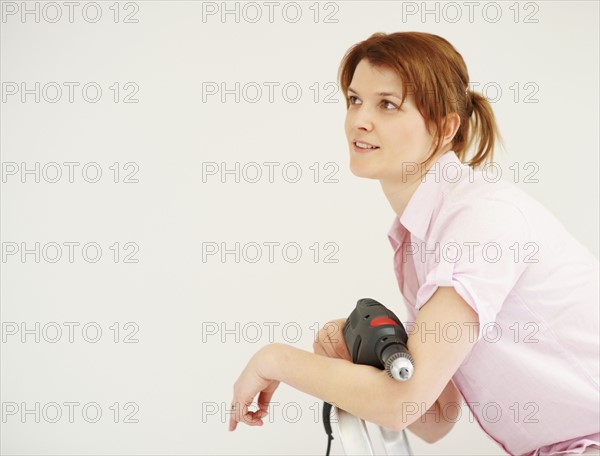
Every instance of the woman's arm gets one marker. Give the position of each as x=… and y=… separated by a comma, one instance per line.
x=364, y=391
x=439, y=419
x=432, y=425
x=369, y=393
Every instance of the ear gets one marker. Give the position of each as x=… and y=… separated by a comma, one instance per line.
x=451, y=124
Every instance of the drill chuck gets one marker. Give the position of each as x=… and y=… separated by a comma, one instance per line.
x=376, y=337
x=399, y=366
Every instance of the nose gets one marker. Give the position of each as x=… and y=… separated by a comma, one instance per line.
x=361, y=119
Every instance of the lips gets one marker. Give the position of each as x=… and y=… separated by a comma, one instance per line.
x=364, y=142
x=364, y=150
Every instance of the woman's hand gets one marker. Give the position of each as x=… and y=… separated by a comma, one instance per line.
x=330, y=340
x=252, y=381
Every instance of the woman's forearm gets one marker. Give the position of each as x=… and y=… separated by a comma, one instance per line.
x=364, y=391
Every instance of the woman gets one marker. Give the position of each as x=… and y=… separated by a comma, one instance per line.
x=503, y=299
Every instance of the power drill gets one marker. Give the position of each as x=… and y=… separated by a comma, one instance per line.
x=375, y=337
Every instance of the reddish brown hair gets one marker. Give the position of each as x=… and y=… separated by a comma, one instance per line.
x=435, y=74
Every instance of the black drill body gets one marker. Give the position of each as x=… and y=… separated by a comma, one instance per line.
x=373, y=334
x=375, y=337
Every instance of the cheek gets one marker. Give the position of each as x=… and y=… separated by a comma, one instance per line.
x=347, y=123
x=414, y=130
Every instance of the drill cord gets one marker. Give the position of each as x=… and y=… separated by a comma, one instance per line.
x=327, y=424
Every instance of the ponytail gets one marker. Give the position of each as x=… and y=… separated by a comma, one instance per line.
x=479, y=126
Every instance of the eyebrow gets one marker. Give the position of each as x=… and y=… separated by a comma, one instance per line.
x=383, y=94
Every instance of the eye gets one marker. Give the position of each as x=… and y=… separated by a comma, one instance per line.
x=389, y=102
x=352, y=98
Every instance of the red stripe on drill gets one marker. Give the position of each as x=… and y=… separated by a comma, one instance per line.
x=382, y=321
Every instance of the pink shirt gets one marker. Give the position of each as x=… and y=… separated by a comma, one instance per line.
x=531, y=379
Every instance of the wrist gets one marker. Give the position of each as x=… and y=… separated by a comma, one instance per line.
x=271, y=360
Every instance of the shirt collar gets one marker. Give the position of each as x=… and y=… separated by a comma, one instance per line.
x=416, y=217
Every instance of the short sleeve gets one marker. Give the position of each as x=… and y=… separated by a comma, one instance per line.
x=481, y=254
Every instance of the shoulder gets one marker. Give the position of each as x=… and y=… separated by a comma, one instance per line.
x=491, y=210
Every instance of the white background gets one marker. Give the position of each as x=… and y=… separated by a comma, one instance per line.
x=179, y=376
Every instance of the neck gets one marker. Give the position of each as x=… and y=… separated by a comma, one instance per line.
x=399, y=194
x=399, y=191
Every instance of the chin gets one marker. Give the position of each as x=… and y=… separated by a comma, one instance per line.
x=361, y=170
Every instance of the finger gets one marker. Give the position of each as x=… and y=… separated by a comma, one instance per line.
x=238, y=410
x=255, y=418
x=232, y=420
x=345, y=354
x=341, y=347
x=333, y=331
x=238, y=413
x=249, y=417
x=336, y=348
x=318, y=349
x=265, y=396
x=325, y=346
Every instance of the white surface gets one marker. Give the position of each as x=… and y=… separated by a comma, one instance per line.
x=176, y=379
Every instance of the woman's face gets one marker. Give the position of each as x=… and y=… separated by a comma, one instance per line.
x=400, y=134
